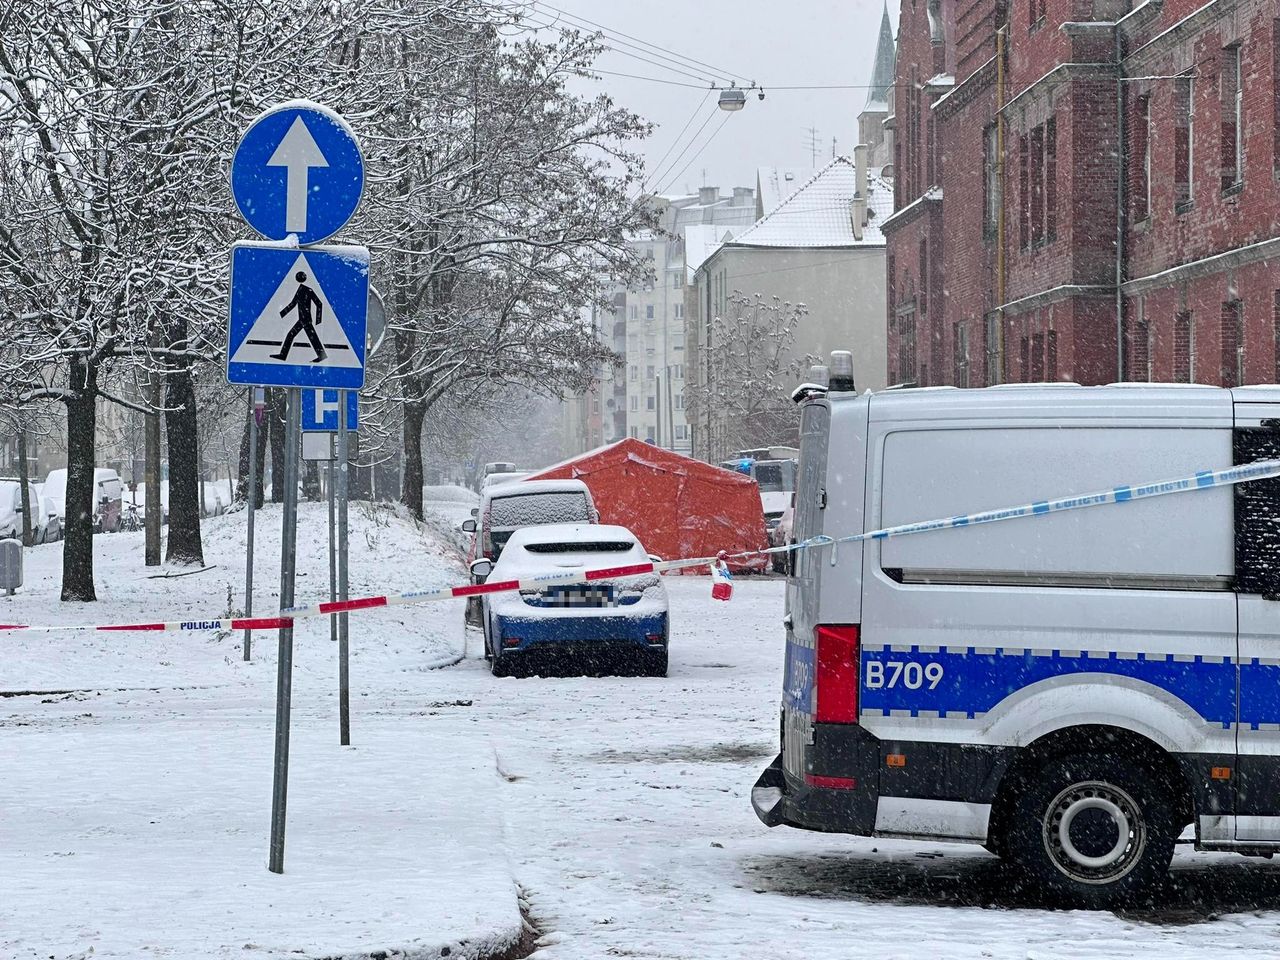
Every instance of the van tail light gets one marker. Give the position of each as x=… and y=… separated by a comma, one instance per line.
x=836, y=674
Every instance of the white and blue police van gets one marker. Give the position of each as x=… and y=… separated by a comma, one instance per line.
x=1072, y=690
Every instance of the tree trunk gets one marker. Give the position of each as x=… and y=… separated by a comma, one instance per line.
x=24, y=485
x=82, y=421
x=155, y=509
x=274, y=419
x=411, y=491
x=184, y=544
x=242, y=463
x=311, y=481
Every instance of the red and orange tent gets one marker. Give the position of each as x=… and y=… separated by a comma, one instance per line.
x=677, y=506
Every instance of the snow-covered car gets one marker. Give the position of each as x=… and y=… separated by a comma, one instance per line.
x=505, y=509
x=11, y=508
x=497, y=479
x=614, y=623
x=55, y=489
x=50, y=522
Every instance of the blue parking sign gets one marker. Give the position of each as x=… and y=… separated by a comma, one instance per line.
x=320, y=410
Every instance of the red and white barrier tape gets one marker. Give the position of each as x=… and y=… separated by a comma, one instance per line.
x=286, y=617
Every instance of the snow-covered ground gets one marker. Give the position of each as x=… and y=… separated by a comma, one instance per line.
x=135, y=813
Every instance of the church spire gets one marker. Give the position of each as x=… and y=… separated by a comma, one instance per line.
x=886, y=56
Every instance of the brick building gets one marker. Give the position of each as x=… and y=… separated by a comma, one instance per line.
x=1086, y=190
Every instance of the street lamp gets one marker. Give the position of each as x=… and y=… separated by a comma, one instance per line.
x=732, y=99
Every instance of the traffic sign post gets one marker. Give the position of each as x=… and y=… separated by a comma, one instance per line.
x=344, y=680
x=257, y=405
x=298, y=319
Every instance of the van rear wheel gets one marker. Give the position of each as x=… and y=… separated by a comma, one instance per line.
x=1093, y=832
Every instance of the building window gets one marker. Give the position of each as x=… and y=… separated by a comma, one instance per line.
x=634, y=372
x=1183, y=142
x=648, y=312
x=682, y=432
x=595, y=405
x=1232, y=343
x=907, y=347
x=924, y=282
x=1037, y=185
x=1024, y=194
x=677, y=280
x=679, y=401
x=648, y=434
x=990, y=183
x=1275, y=95
x=1275, y=336
x=1037, y=358
x=994, y=353
x=1024, y=360
x=633, y=433
x=1232, y=94
x=649, y=402
x=635, y=403
x=1051, y=180
x=648, y=372
x=677, y=341
x=679, y=311
x=1184, y=348
x=1140, y=353
x=1140, y=167
x=677, y=371
x=1051, y=356
x=960, y=352
x=1037, y=11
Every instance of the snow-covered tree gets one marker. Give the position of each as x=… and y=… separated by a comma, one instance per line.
x=741, y=389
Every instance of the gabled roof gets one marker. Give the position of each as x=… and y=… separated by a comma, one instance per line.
x=881, y=89
x=775, y=184
x=819, y=212
x=701, y=240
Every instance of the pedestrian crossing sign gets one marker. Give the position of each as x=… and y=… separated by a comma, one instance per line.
x=298, y=316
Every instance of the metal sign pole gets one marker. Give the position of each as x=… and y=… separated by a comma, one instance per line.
x=284, y=669
x=344, y=680
x=254, y=411
x=333, y=562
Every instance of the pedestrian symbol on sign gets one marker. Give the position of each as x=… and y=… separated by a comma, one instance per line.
x=303, y=301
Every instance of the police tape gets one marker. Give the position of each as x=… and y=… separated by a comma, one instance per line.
x=721, y=578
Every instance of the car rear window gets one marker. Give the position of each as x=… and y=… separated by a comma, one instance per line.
x=578, y=546
x=532, y=509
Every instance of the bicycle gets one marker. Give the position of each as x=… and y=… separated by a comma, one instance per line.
x=131, y=520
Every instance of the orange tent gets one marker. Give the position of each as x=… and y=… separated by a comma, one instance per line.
x=677, y=506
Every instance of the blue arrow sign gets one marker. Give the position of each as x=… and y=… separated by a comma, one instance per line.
x=320, y=410
x=298, y=316
x=297, y=170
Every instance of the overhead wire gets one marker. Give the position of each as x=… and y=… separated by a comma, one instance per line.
x=616, y=46
x=658, y=175
x=704, y=146
x=667, y=53
x=679, y=137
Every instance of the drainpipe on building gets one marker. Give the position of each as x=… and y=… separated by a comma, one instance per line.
x=1001, y=38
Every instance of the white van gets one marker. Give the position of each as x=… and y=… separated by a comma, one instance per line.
x=1071, y=690
x=108, y=496
x=11, y=509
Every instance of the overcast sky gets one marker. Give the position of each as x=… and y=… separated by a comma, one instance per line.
x=773, y=42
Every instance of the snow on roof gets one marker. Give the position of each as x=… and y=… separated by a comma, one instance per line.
x=775, y=184
x=819, y=212
x=701, y=240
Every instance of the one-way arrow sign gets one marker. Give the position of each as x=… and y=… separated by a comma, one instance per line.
x=297, y=171
x=297, y=153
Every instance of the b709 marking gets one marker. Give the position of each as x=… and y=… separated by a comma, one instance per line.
x=902, y=673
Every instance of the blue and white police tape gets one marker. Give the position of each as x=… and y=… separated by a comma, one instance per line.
x=722, y=581
x=1125, y=493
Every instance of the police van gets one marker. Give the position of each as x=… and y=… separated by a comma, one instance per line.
x=1072, y=690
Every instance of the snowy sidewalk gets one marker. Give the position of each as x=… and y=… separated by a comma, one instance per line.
x=150, y=838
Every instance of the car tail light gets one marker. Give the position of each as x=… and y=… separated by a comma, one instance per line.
x=512, y=641
x=836, y=674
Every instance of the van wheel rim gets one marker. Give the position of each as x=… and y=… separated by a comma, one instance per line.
x=1094, y=832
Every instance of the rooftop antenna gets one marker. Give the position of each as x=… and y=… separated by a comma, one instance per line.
x=812, y=141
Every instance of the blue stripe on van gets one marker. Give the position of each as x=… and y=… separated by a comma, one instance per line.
x=973, y=683
x=1123, y=493
x=1204, y=478
x=1040, y=506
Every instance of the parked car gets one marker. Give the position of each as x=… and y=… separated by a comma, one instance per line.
x=497, y=479
x=108, y=500
x=108, y=494
x=50, y=522
x=505, y=509
x=11, y=508
x=606, y=624
x=55, y=489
